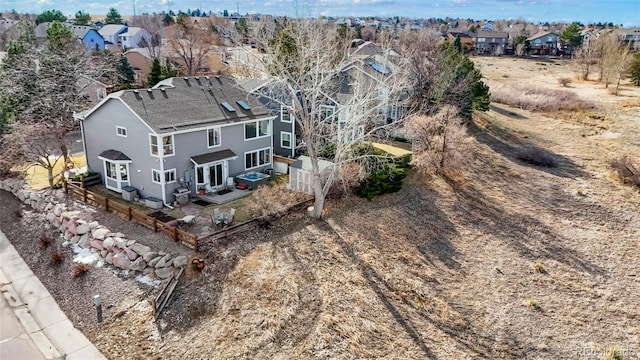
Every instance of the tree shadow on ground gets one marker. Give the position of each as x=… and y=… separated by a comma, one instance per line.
x=429, y=230
x=505, y=112
x=524, y=152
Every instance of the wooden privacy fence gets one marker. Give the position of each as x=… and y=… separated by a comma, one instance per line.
x=131, y=214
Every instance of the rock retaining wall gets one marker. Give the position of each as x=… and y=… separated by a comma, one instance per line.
x=114, y=248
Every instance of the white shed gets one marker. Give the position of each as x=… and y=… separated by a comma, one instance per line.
x=300, y=174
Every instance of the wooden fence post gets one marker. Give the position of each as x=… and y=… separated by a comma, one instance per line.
x=129, y=208
x=106, y=203
x=175, y=233
x=84, y=194
x=155, y=225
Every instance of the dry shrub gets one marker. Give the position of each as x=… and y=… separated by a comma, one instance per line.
x=537, y=99
x=627, y=169
x=537, y=156
x=44, y=242
x=272, y=200
x=56, y=257
x=440, y=142
x=78, y=270
x=631, y=104
x=565, y=82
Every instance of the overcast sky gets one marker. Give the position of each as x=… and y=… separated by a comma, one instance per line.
x=625, y=12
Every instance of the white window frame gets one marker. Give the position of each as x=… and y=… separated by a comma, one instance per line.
x=170, y=173
x=258, y=158
x=324, y=109
x=393, y=114
x=257, y=124
x=155, y=174
x=114, y=171
x=284, y=110
x=160, y=146
x=121, y=131
x=218, y=129
x=282, y=135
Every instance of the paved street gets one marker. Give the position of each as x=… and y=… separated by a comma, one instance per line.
x=32, y=326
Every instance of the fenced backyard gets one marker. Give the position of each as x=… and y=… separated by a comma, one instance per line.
x=131, y=214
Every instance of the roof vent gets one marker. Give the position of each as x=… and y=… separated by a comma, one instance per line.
x=206, y=77
x=197, y=78
x=135, y=91
x=162, y=89
x=149, y=91
x=186, y=78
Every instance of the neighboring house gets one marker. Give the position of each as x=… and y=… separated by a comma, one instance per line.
x=491, y=42
x=131, y=37
x=85, y=34
x=544, y=43
x=629, y=36
x=110, y=33
x=490, y=26
x=8, y=31
x=89, y=36
x=287, y=139
x=363, y=48
x=466, y=40
x=588, y=36
x=140, y=60
x=93, y=90
x=191, y=132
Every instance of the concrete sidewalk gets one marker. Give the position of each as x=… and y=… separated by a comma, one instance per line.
x=32, y=326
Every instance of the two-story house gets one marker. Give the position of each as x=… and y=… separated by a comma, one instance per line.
x=544, y=43
x=191, y=132
x=491, y=43
x=89, y=37
x=132, y=37
x=110, y=33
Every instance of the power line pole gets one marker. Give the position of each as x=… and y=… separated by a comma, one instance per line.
x=134, y=7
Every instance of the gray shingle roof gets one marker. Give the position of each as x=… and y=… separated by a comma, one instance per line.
x=114, y=155
x=192, y=102
x=111, y=29
x=213, y=156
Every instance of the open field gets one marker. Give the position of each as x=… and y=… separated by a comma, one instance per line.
x=515, y=261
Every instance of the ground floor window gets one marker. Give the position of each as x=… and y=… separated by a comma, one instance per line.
x=257, y=158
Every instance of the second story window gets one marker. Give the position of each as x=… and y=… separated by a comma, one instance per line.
x=164, y=142
x=285, y=115
x=213, y=137
x=121, y=131
x=256, y=129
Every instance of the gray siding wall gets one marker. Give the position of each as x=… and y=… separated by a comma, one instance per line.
x=278, y=127
x=100, y=135
x=195, y=143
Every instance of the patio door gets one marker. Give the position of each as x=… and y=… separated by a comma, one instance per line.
x=216, y=175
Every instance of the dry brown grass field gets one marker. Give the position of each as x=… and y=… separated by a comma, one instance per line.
x=512, y=261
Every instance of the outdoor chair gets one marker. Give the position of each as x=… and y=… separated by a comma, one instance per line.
x=209, y=189
x=232, y=213
x=187, y=220
x=217, y=216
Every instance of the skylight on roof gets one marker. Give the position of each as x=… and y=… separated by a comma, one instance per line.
x=227, y=106
x=243, y=105
x=381, y=69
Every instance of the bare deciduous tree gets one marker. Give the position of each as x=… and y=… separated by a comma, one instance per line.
x=154, y=26
x=440, y=142
x=189, y=44
x=308, y=78
x=50, y=82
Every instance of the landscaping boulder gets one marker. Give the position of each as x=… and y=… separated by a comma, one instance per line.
x=138, y=265
x=96, y=244
x=164, y=273
x=108, y=243
x=71, y=227
x=84, y=241
x=150, y=256
x=154, y=261
x=140, y=249
x=130, y=242
x=180, y=261
x=50, y=218
x=99, y=233
x=82, y=229
x=165, y=261
x=132, y=255
x=59, y=208
x=121, y=261
x=109, y=258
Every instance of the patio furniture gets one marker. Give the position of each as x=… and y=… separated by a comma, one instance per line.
x=242, y=186
x=229, y=219
x=209, y=188
x=230, y=183
x=187, y=220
